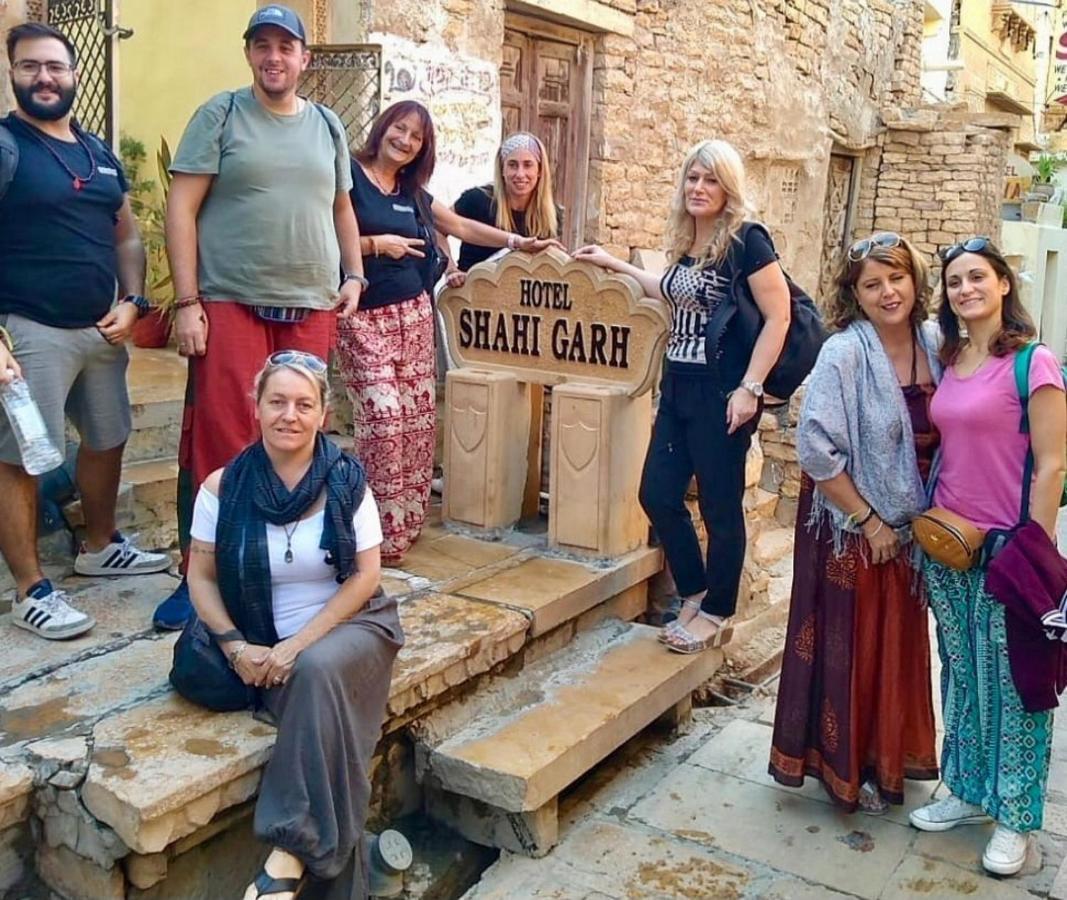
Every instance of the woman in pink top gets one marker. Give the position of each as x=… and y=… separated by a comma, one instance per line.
x=996, y=754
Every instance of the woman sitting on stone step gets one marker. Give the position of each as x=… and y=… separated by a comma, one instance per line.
x=285, y=574
x=519, y=200
x=854, y=703
x=710, y=395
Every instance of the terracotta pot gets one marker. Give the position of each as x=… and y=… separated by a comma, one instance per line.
x=152, y=331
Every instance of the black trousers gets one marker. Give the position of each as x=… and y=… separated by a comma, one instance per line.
x=689, y=438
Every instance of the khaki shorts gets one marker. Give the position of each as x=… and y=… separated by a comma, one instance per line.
x=75, y=373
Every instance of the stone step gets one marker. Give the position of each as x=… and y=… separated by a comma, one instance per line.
x=494, y=764
x=156, y=381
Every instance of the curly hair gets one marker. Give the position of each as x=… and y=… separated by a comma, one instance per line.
x=1016, y=327
x=843, y=308
x=724, y=161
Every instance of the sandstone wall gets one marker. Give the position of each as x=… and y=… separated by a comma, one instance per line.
x=936, y=177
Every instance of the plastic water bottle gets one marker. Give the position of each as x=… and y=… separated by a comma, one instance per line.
x=38, y=452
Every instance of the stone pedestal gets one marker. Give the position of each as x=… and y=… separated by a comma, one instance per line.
x=599, y=438
x=487, y=418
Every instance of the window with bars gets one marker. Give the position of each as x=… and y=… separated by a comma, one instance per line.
x=348, y=79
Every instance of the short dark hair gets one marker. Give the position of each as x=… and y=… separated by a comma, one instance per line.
x=31, y=31
x=416, y=173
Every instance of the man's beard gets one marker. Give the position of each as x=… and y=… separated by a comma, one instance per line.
x=46, y=112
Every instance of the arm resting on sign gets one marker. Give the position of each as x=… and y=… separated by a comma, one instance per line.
x=598, y=256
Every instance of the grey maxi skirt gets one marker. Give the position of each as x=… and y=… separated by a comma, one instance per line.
x=315, y=792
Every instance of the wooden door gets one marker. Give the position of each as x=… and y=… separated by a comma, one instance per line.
x=546, y=86
x=838, y=214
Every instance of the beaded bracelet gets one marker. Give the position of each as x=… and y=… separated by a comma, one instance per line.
x=186, y=302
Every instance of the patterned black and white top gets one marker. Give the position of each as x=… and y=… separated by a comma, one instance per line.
x=695, y=293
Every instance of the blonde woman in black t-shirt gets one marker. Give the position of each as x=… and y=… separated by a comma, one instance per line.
x=519, y=200
x=711, y=391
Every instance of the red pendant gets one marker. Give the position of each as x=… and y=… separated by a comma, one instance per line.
x=77, y=184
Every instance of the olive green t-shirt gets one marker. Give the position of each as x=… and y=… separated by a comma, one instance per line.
x=265, y=231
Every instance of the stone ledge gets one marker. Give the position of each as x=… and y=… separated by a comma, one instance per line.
x=553, y=591
x=16, y=786
x=527, y=738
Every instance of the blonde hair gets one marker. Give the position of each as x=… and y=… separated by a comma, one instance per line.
x=541, y=220
x=318, y=379
x=723, y=160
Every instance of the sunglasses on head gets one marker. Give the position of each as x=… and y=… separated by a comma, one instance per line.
x=861, y=249
x=971, y=245
x=297, y=357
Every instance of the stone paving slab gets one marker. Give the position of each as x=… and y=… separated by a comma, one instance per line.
x=122, y=608
x=793, y=834
x=449, y=640
x=563, y=715
x=920, y=877
x=742, y=750
x=76, y=695
x=554, y=591
x=163, y=769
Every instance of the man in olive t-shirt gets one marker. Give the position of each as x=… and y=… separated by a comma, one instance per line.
x=259, y=226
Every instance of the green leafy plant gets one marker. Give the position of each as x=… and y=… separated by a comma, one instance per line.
x=149, y=207
x=1046, y=166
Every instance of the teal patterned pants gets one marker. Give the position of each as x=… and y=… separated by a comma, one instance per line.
x=996, y=754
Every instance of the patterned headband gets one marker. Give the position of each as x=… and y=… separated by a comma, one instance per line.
x=520, y=141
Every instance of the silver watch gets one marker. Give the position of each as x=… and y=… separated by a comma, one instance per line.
x=352, y=277
x=755, y=388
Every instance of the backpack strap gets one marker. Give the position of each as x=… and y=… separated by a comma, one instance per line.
x=9, y=159
x=1022, y=385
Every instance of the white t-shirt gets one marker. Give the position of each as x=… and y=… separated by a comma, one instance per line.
x=301, y=588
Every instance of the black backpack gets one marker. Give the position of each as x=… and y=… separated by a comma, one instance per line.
x=9, y=159
x=732, y=331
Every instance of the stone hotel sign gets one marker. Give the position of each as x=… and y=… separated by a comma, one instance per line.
x=548, y=320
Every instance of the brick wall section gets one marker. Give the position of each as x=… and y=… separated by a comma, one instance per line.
x=938, y=179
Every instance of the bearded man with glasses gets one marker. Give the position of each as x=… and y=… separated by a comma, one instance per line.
x=70, y=247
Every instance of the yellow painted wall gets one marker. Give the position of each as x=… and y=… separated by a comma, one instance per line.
x=987, y=56
x=181, y=53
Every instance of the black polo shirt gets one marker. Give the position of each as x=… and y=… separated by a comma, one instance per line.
x=57, y=244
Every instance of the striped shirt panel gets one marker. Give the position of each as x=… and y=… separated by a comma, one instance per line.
x=693, y=294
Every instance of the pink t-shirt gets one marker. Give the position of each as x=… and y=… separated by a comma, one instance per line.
x=983, y=452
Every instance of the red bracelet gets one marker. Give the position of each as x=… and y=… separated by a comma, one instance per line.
x=185, y=302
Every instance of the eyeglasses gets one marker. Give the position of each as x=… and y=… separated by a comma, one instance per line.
x=861, y=249
x=30, y=68
x=299, y=358
x=971, y=245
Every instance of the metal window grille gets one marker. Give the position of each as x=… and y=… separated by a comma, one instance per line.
x=86, y=24
x=348, y=79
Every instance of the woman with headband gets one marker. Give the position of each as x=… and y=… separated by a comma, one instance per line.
x=386, y=350
x=519, y=200
x=855, y=710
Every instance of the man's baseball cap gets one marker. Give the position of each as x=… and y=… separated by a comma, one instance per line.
x=281, y=17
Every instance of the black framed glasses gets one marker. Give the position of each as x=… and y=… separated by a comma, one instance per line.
x=30, y=68
x=861, y=249
x=297, y=357
x=972, y=245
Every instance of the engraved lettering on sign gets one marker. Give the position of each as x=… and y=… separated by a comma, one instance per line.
x=552, y=320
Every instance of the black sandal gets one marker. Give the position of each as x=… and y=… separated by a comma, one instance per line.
x=266, y=884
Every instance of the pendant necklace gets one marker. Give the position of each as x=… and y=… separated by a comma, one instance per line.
x=76, y=180
x=378, y=184
x=289, y=540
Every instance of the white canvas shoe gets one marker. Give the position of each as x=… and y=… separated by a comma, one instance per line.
x=946, y=813
x=120, y=557
x=46, y=612
x=1006, y=851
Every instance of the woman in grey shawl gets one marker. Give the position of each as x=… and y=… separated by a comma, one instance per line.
x=854, y=705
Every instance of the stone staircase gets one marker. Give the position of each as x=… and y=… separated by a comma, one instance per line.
x=522, y=670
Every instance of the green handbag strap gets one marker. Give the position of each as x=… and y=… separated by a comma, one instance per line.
x=1022, y=385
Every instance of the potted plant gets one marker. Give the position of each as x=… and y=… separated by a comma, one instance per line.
x=1045, y=168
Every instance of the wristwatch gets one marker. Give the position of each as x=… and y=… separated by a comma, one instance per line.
x=362, y=281
x=755, y=388
x=142, y=304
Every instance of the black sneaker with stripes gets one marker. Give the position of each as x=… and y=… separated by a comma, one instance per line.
x=46, y=611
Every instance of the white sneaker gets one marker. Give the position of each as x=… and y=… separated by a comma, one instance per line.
x=946, y=813
x=46, y=612
x=1006, y=851
x=120, y=557
x=437, y=486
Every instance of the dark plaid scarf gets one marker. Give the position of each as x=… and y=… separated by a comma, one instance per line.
x=250, y=496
